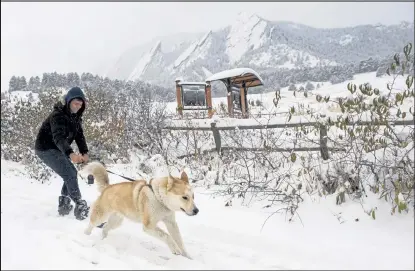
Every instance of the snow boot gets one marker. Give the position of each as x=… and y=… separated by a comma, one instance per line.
x=81, y=210
x=65, y=206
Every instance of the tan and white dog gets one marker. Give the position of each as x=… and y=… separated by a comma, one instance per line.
x=143, y=203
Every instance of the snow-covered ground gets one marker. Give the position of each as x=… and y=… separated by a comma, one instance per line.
x=33, y=236
x=322, y=236
x=271, y=114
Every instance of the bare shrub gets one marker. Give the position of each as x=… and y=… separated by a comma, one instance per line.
x=367, y=150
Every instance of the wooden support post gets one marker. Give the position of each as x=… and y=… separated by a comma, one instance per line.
x=230, y=103
x=243, y=102
x=246, y=100
x=323, y=142
x=216, y=137
x=218, y=143
x=179, y=98
x=208, y=93
x=229, y=96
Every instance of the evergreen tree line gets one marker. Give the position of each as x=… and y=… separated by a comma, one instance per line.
x=85, y=81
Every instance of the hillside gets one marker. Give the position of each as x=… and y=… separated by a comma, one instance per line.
x=266, y=46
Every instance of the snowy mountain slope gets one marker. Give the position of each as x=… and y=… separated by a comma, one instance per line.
x=283, y=56
x=148, y=60
x=197, y=50
x=346, y=45
x=252, y=41
x=247, y=33
x=172, y=46
x=218, y=237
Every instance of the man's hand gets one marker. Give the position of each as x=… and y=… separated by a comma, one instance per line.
x=76, y=158
x=85, y=158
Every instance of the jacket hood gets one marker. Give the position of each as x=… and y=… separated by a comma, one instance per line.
x=63, y=103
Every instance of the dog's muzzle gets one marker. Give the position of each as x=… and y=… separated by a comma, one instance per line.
x=194, y=211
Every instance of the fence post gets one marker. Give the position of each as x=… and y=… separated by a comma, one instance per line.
x=179, y=98
x=216, y=136
x=208, y=93
x=323, y=142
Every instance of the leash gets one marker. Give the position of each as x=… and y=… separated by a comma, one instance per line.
x=127, y=178
x=90, y=178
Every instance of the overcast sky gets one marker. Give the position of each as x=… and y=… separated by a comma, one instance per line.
x=64, y=37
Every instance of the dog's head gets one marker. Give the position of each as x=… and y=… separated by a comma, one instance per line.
x=180, y=196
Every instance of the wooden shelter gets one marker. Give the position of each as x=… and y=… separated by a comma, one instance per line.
x=237, y=82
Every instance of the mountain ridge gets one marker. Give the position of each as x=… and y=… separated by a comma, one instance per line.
x=262, y=45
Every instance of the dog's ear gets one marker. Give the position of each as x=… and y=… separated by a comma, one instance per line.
x=184, y=177
x=170, y=182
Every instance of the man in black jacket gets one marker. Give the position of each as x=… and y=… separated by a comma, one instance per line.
x=53, y=147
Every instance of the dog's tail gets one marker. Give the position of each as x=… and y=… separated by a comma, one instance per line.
x=100, y=174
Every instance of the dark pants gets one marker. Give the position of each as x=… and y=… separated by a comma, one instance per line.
x=61, y=164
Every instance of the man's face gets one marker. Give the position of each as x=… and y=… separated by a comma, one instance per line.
x=75, y=105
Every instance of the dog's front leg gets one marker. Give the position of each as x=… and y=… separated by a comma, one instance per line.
x=163, y=236
x=174, y=231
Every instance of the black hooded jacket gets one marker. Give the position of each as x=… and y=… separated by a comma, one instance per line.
x=62, y=127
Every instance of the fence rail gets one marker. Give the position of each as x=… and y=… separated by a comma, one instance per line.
x=323, y=148
x=278, y=125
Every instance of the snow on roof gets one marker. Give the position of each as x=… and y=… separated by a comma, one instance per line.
x=192, y=83
x=237, y=76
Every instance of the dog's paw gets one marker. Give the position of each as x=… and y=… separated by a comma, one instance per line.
x=175, y=249
x=88, y=231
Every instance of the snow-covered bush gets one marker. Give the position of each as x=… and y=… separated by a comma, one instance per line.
x=119, y=116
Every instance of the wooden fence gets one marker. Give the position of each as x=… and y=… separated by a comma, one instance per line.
x=323, y=148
